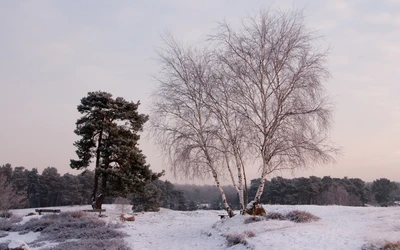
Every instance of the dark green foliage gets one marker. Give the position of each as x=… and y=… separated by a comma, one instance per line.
x=383, y=190
x=312, y=190
x=148, y=200
x=109, y=134
x=162, y=194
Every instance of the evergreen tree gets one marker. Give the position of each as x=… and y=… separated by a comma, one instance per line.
x=383, y=188
x=109, y=133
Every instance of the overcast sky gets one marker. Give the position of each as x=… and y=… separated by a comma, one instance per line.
x=53, y=52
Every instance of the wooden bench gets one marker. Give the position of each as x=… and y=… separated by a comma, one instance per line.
x=223, y=216
x=94, y=210
x=43, y=210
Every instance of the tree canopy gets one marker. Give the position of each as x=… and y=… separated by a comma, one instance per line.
x=109, y=135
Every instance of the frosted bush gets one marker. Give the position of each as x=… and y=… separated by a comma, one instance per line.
x=253, y=219
x=235, y=238
x=5, y=224
x=4, y=246
x=239, y=238
x=301, y=216
x=274, y=216
x=84, y=244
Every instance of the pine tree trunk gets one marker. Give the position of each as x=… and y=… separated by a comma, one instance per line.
x=96, y=172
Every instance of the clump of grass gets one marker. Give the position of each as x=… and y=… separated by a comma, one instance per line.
x=274, y=216
x=301, y=216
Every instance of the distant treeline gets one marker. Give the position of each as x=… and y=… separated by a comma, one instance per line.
x=52, y=189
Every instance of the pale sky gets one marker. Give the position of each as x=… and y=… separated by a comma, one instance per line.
x=53, y=52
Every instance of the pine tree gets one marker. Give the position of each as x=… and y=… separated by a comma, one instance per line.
x=109, y=133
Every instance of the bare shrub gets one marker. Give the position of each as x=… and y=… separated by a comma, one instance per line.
x=301, y=216
x=253, y=219
x=30, y=214
x=274, y=216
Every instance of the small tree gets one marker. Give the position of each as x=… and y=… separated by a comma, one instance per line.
x=383, y=189
x=109, y=133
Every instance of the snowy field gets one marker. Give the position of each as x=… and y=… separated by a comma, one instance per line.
x=338, y=228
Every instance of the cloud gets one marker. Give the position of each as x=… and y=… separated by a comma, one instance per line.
x=383, y=18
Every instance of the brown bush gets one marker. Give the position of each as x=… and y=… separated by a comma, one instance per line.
x=30, y=214
x=257, y=210
x=386, y=246
x=130, y=218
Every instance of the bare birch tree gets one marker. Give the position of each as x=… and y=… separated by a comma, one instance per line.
x=258, y=90
x=181, y=121
x=276, y=72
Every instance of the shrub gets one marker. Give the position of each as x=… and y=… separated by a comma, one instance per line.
x=239, y=238
x=3, y=234
x=253, y=219
x=15, y=219
x=274, y=216
x=235, y=238
x=385, y=246
x=5, y=214
x=301, y=216
x=249, y=233
x=5, y=224
x=4, y=246
x=84, y=244
x=30, y=214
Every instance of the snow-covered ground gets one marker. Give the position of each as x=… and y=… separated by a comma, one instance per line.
x=339, y=228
